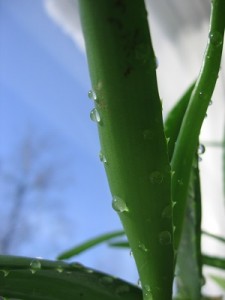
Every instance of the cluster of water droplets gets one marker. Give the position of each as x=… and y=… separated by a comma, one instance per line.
x=94, y=114
x=147, y=291
x=142, y=247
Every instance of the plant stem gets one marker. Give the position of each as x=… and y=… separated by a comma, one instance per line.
x=133, y=147
x=187, y=141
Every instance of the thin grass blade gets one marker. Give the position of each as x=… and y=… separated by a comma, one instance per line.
x=213, y=261
x=90, y=244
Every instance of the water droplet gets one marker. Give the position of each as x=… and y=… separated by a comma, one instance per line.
x=119, y=205
x=35, y=265
x=59, y=269
x=202, y=95
x=131, y=253
x=94, y=115
x=76, y=265
x=92, y=95
x=148, y=134
x=122, y=289
x=156, y=177
x=173, y=204
x=167, y=211
x=156, y=62
x=165, y=238
x=139, y=282
x=5, y=272
x=102, y=157
x=180, y=182
x=107, y=279
x=210, y=102
x=89, y=271
x=215, y=38
x=147, y=290
x=203, y=281
x=142, y=247
x=201, y=149
x=174, y=228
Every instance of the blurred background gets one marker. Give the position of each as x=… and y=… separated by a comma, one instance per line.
x=53, y=189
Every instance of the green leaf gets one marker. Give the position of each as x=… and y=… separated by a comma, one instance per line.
x=37, y=279
x=122, y=244
x=174, y=119
x=213, y=261
x=189, y=266
x=219, y=280
x=89, y=244
x=128, y=114
x=188, y=137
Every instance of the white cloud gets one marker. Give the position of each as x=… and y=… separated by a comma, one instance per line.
x=65, y=14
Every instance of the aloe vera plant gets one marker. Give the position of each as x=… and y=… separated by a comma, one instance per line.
x=151, y=166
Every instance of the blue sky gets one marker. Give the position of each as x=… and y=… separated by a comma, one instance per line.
x=43, y=92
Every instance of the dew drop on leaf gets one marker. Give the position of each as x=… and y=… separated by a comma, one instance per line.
x=165, y=238
x=142, y=247
x=5, y=272
x=147, y=291
x=156, y=177
x=94, y=115
x=167, y=211
x=201, y=149
x=215, y=38
x=92, y=95
x=139, y=282
x=35, y=266
x=102, y=157
x=119, y=205
x=156, y=62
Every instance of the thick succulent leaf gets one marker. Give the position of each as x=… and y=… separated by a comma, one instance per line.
x=128, y=114
x=37, y=279
x=89, y=244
